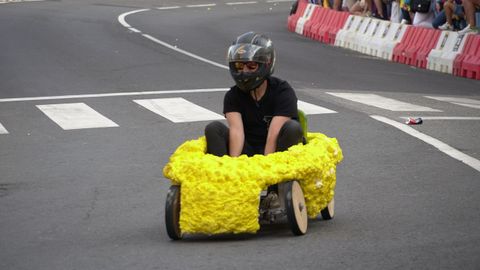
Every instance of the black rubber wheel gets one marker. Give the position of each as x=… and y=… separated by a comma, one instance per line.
x=329, y=211
x=296, y=208
x=172, y=213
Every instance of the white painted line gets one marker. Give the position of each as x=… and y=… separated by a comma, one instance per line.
x=75, y=116
x=383, y=102
x=240, y=3
x=184, y=52
x=467, y=102
x=444, y=117
x=116, y=94
x=443, y=147
x=134, y=30
x=178, y=110
x=165, y=8
x=3, y=130
x=309, y=108
x=201, y=5
x=121, y=18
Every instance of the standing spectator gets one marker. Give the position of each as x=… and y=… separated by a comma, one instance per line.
x=423, y=18
x=362, y=8
x=395, y=12
x=452, y=10
x=470, y=6
x=407, y=14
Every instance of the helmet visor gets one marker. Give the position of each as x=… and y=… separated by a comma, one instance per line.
x=247, y=53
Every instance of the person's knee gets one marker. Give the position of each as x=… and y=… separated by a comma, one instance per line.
x=215, y=127
x=292, y=129
x=290, y=134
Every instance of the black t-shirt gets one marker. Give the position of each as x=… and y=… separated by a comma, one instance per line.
x=279, y=100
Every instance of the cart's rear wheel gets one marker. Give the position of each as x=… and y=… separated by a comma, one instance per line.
x=296, y=208
x=329, y=211
x=172, y=213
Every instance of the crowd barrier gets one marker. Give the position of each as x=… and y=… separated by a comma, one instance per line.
x=467, y=63
x=443, y=51
x=449, y=45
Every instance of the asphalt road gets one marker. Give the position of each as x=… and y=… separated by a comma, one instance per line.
x=94, y=198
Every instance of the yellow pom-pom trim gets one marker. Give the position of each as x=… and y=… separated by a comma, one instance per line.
x=222, y=194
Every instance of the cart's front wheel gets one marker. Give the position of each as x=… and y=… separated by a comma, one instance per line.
x=172, y=213
x=329, y=211
x=296, y=208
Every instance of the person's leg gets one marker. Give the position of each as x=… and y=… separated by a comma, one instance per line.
x=448, y=7
x=357, y=8
x=216, y=134
x=469, y=7
x=290, y=134
x=368, y=7
x=337, y=5
x=379, y=6
x=406, y=16
x=439, y=20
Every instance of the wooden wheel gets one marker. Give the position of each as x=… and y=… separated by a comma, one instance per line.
x=296, y=208
x=329, y=211
x=172, y=213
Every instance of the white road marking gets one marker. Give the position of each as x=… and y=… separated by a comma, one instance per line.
x=383, y=102
x=178, y=110
x=467, y=102
x=75, y=116
x=121, y=17
x=443, y=117
x=3, y=130
x=240, y=3
x=185, y=52
x=201, y=5
x=165, y=8
x=134, y=30
x=443, y=147
x=18, y=1
x=116, y=94
x=309, y=108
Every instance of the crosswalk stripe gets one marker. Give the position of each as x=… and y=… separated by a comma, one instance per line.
x=3, y=130
x=178, y=110
x=75, y=116
x=466, y=102
x=309, y=108
x=383, y=102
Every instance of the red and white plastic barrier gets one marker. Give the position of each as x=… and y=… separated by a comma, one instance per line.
x=442, y=51
x=305, y=18
x=449, y=45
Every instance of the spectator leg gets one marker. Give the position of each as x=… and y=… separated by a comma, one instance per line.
x=448, y=7
x=439, y=20
x=469, y=7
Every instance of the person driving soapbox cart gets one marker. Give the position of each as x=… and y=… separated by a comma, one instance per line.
x=262, y=116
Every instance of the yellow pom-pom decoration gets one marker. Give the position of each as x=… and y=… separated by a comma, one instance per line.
x=222, y=194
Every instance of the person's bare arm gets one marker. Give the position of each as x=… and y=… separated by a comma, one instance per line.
x=274, y=129
x=236, y=134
